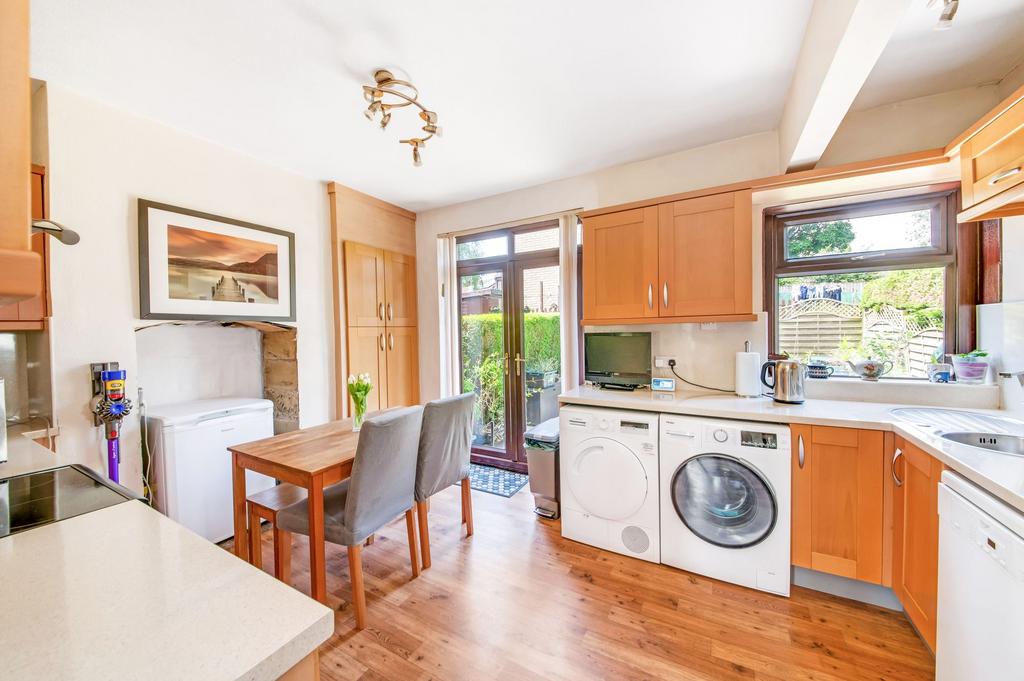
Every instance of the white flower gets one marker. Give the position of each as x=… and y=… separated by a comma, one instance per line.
x=351, y=379
x=365, y=378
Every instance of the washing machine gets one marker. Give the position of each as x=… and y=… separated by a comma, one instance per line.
x=725, y=500
x=609, y=474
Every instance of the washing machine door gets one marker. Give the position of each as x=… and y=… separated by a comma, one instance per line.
x=724, y=500
x=608, y=479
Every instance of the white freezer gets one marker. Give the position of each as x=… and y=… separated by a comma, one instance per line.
x=191, y=474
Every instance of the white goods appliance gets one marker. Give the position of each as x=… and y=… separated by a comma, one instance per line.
x=725, y=500
x=191, y=466
x=980, y=620
x=609, y=475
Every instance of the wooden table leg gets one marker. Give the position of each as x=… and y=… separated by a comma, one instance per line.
x=317, y=569
x=255, y=549
x=282, y=555
x=238, y=497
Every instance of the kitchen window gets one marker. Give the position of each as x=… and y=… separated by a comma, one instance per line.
x=876, y=279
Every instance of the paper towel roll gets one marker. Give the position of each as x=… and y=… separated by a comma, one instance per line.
x=748, y=374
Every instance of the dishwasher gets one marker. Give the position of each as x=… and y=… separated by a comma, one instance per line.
x=980, y=620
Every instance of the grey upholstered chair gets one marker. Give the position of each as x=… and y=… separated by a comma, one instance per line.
x=445, y=441
x=379, y=489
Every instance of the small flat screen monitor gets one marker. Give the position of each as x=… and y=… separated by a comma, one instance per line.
x=617, y=359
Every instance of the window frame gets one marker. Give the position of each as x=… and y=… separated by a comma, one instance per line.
x=510, y=252
x=958, y=317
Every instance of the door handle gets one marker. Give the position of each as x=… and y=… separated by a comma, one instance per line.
x=650, y=296
x=895, y=458
x=391, y=341
x=999, y=177
x=380, y=311
x=800, y=450
x=519, y=365
x=389, y=311
x=382, y=341
x=506, y=364
x=664, y=293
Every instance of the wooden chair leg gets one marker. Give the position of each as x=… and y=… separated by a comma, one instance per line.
x=283, y=555
x=355, y=570
x=414, y=551
x=255, y=554
x=421, y=515
x=467, y=506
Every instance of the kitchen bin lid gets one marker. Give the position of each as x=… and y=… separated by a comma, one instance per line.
x=546, y=432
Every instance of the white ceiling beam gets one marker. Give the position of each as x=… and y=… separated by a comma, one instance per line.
x=843, y=41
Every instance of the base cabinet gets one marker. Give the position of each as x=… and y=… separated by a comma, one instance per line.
x=837, y=505
x=915, y=479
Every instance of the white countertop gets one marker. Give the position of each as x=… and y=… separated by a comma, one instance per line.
x=126, y=593
x=1000, y=474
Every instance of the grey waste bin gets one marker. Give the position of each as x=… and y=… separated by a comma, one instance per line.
x=542, y=460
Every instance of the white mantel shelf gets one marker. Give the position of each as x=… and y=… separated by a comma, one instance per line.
x=126, y=593
x=1002, y=475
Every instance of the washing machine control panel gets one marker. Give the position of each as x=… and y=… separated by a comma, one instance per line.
x=750, y=438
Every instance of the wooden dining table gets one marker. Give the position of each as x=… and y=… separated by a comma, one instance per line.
x=312, y=458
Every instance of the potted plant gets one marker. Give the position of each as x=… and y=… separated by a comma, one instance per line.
x=359, y=388
x=971, y=367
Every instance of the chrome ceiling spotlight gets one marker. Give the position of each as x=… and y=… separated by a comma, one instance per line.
x=390, y=93
x=58, y=231
x=949, y=8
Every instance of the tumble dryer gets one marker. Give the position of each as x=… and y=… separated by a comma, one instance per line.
x=609, y=474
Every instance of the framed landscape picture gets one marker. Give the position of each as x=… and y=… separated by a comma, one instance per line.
x=195, y=265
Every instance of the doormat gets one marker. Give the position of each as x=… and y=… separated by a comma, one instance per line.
x=496, y=480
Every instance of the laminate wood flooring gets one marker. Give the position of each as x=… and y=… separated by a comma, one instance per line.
x=517, y=602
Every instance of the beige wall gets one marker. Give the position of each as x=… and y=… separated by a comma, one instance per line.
x=101, y=161
x=721, y=163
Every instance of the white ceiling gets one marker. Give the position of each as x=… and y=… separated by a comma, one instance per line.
x=526, y=90
x=984, y=44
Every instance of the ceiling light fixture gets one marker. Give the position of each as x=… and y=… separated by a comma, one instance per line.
x=949, y=8
x=390, y=93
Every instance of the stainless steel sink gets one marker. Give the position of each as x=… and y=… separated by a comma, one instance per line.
x=996, y=442
x=957, y=420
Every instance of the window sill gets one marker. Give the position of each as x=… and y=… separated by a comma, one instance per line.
x=905, y=391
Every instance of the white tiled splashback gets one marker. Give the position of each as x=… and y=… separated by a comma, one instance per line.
x=1001, y=333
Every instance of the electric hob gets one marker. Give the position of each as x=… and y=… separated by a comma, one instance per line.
x=44, y=497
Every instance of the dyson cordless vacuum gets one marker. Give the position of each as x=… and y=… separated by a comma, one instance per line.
x=110, y=409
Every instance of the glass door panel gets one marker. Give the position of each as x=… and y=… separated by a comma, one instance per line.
x=539, y=358
x=484, y=342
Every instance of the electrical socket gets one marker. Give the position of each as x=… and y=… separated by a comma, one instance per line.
x=662, y=362
x=708, y=326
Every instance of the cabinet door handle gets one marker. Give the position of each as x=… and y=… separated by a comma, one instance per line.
x=895, y=458
x=391, y=341
x=380, y=310
x=664, y=293
x=382, y=341
x=999, y=177
x=800, y=450
x=389, y=311
x=650, y=296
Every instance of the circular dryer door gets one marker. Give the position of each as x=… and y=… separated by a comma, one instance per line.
x=608, y=480
x=724, y=501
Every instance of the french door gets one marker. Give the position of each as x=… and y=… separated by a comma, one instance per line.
x=510, y=342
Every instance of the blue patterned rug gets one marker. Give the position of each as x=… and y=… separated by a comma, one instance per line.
x=496, y=480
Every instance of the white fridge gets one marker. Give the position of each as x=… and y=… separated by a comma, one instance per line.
x=191, y=466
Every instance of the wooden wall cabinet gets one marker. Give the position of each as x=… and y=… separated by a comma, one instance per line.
x=837, y=508
x=681, y=261
x=20, y=266
x=380, y=295
x=915, y=480
x=992, y=163
x=31, y=314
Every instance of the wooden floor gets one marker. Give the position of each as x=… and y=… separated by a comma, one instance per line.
x=518, y=602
